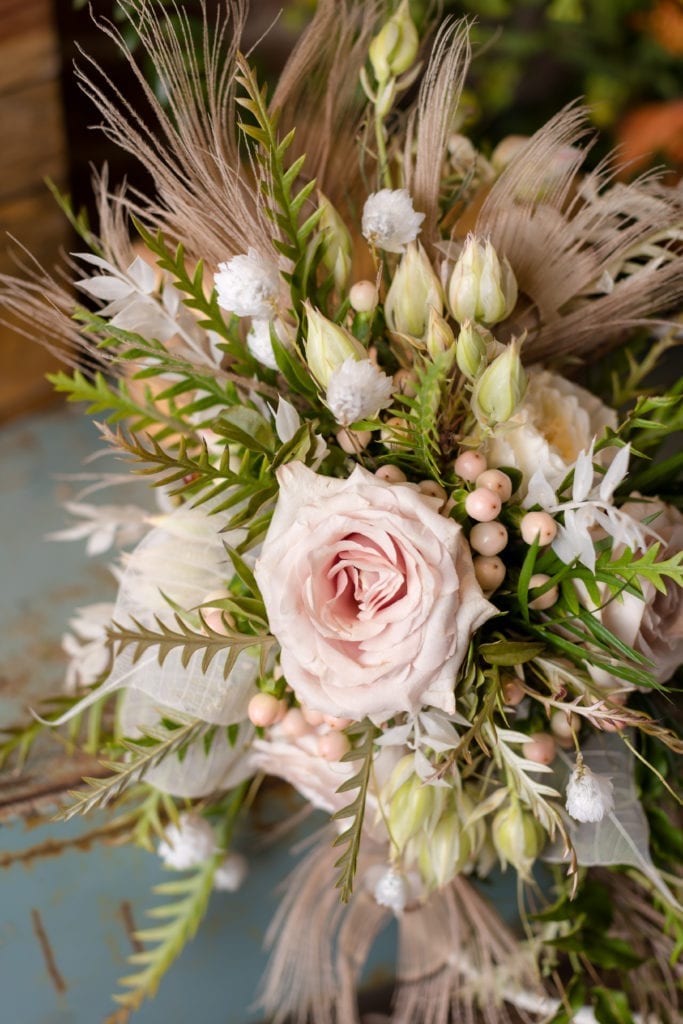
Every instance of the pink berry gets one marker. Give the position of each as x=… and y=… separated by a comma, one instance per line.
x=563, y=725
x=496, y=481
x=546, y=600
x=294, y=725
x=218, y=621
x=469, y=465
x=265, y=709
x=433, y=490
x=488, y=538
x=363, y=296
x=489, y=570
x=353, y=441
x=333, y=745
x=513, y=693
x=541, y=748
x=392, y=474
x=336, y=723
x=314, y=718
x=538, y=524
x=482, y=504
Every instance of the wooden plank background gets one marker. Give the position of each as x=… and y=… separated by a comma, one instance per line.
x=33, y=148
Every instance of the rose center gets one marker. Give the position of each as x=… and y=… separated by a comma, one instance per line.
x=366, y=575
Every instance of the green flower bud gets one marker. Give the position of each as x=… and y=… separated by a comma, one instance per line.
x=470, y=353
x=410, y=810
x=328, y=345
x=395, y=47
x=415, y=289
x=517, y=837
x=444, y=853
x=481, y=288
x=501, y=388
x=337, y=246
x=439, y=338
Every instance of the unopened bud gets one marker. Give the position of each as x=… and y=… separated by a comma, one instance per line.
x=501, y=388
x=337, y=246
x=517, y=837
x=411, y=805
x=445, y=852
x=328, y=345
x=415, y=290
x=394, y=48
x=439, y=338
x=482, y=287
x=470, y=353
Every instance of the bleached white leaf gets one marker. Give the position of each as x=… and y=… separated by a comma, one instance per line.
x=398, y=736
x=540, y=492
x=97, y=261
x=287, y=420
x=108, y=289
x=583, y=475
x=142, y=274
x=623, y=835
x=615, y=474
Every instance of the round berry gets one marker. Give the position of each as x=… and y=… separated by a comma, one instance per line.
x=294, y=725
x=546, y=600
x=469, y=465
x=333, y=745
x=563, y=725
x=489, y=570
x=264, y=709
x=488, y=538
x=540, y=748
x=482, y=504
x=513, y=692
x=538, y=524
x=363, y=296
x=353, y=441
x=392, y=474
x=496, y=481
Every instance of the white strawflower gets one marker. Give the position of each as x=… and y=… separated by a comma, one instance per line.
x=357, y=390
x=259, y=343
x=589, y=797
x=187, y=843
x=231, y=873
x=248, y=285
x=392, y=890
x=389, y=220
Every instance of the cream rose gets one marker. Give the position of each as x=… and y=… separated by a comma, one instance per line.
x=556, y=420
x=370, y=592
x=652, y=624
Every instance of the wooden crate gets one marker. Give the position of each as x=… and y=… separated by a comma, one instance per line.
x=33, y=148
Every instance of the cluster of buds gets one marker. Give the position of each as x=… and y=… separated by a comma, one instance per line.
x=488, y=537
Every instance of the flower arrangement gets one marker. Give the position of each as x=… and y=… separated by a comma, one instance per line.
x=399, y=559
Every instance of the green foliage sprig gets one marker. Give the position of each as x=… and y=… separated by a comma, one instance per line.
x=363, y=736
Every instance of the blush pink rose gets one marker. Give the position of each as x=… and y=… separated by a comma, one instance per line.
x=370, y=593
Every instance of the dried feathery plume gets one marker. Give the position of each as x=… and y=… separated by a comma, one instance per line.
x=431, y=123
x=584, y=251
x=317, y=93
x=191, y=150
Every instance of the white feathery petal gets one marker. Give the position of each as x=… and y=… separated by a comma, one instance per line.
x=259, y=343
x=589, y=796
x=615, y=474
x=389, y=220
x=187, y=843
x=357, y=390
x=392, y=890
x=248, y=285
x=583, y=474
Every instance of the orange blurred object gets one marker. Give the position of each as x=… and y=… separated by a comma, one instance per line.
x=665, y=24
x=649, y=131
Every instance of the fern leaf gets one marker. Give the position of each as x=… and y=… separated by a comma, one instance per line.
x=351, y=837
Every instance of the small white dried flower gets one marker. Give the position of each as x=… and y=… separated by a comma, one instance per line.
x=187, y=843
x=392, y=890
x=248, y=285
x=357, y=390
x=589, y=796
x=389, y=220
x=231, y=873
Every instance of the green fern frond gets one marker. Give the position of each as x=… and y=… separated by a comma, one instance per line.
x=363, y=735
x=190, y=641
x=418, y=444
x=143, y=754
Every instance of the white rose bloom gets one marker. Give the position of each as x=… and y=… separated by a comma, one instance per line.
x=356, y=390
x=555, y=422
x=248, y=285
x=389, y=220
x=188, y=843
